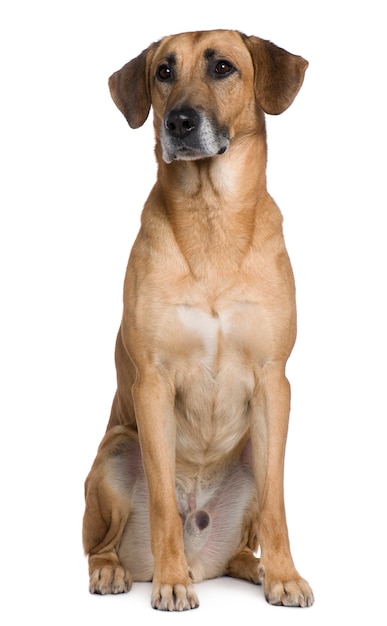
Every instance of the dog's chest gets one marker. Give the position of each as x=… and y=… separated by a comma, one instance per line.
x=213, y=355
x=200, y=333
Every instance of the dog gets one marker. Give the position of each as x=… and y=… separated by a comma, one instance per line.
x=187, y=483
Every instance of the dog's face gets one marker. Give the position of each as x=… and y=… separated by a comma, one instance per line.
x=195, y=83
x=206, y=88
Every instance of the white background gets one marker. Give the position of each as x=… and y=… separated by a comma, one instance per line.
x=73, y=181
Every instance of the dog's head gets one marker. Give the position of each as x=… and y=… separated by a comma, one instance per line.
x=205, y=88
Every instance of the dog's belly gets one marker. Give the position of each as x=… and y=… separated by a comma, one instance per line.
x=212, y=511
x=214, y=382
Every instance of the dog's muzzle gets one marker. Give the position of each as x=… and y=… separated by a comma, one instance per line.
x=187, y=134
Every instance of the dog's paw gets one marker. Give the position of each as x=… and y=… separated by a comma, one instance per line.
x=110, y=580
x=174, y=598
x=295, y=592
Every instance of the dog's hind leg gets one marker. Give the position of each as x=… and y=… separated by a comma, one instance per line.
x=108, y=506
x=245, y=565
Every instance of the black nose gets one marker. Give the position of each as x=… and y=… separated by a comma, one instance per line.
x=181, y=122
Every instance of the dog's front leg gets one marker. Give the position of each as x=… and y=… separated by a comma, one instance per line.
x=154, y=403
x=282, y=583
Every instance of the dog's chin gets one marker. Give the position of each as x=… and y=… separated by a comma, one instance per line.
x=185, y=153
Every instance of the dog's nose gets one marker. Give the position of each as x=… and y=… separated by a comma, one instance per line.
x=181, y=122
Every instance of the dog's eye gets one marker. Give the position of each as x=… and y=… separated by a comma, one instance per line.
x=164, y=72
x=223, y=68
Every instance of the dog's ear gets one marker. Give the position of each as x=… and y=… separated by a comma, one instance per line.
x=129, y=88
x=278, y=74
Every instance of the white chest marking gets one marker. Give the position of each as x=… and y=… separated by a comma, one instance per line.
x=203, y=325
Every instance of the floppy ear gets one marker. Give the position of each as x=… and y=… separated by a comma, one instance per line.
x=278, y=75
x=129, y=88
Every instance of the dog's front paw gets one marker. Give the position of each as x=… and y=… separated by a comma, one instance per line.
x=174, y=598
x=295, y=592
x=110, y=579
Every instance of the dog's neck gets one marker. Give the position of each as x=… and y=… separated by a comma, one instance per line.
x=212, y=203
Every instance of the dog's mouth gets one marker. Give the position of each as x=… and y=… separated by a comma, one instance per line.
x=187, y=135
x=187, y=153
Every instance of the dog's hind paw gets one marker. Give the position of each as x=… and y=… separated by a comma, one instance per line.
x=110, y=580
x=174, y=598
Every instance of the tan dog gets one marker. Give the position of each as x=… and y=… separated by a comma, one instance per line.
x=188, y=480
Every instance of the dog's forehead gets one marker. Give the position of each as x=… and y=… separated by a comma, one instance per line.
x=193, y=47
